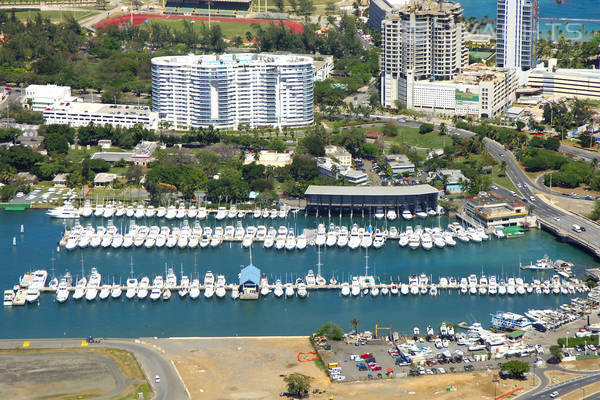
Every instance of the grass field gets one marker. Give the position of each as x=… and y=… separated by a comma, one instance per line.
x=229, y=29
x=481, y=55
x=412, y=137
x=55, y=16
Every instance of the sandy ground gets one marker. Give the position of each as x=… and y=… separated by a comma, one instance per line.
x=583, y=392
x=49, y=376
x=556, y=376
x=253, y=368
x=583, y=365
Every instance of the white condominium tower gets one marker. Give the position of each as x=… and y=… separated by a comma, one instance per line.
x=517, y=33
x=230, y=90
x=423, y=39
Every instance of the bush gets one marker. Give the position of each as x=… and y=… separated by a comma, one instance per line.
x=330, y=331
x=298, y=384
x=516, y=368
x=425, y=128
x=579, y=341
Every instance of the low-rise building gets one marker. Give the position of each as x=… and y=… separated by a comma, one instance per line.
x=141, y=155
x=583, y=83
x=60, y=180
x=455, y=180
x=490, y=211
x=333, y=169
x=105, y=144
x=40, y=97
x=399, y=163
x=83, y=114
x=477, y=91
x=269, y=158
x=104, y=179
x=341, y=155
x=322, y=67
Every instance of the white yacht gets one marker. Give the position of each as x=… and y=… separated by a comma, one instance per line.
x=93, y=284
x=67, y=211
x=104, y=292
x=406, y=214
x=142, y=291
x=269, y=241
x=150, y=212
x=115, y=291
x=220, y=290
x=345, y=289
x=62, y=293
x=426, y=241
x=342, y=239
x=166, y=294
x=355, y=239
x=120, y=211
x=171, y=279
x=192, y=212
x=130, y=212
x=157, y=288
x=171, y=212
x=80, y=288
x=221, y=213
x=195, y=289
x=87, y=209
x=355, y=286
x=161, y=212
x=288, y=290
x=232, y=213
x=278, y=290
x=290, y=241
x=321, y=238
x=209, y=284
x=391, y=215
x=181, y=211
x=140, y=212
x=109, y=211
x=332, y=236
x=301, y=290
x=379, y=214
x=202, y=213
x=99, y=211
x=257, y=213
x=379, y=239
x=301, y=242
x=414, y=241
x=403, y=240
x=367, y=239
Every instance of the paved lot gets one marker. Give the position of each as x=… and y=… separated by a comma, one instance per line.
x=41, y=376
x=340, y=352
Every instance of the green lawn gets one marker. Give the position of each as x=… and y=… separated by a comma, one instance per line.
x=412, y=137
x=480, y=55
x=117, y=170
x=229, y=29
x=55, y=16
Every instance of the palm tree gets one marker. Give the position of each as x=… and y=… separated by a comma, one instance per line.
x=530, y=208
x=502, y=168
x=354, y=324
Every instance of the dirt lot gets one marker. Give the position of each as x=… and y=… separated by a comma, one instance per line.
x=49, y=376
x=556, y=377
x=252, y=368
x=583, y=365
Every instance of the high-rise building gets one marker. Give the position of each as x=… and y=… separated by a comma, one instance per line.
x=423, y=39
x=517, y=33
x=228, y=90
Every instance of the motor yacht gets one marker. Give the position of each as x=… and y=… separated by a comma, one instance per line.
x=181, y=211
x=104, y=292
x=406, y=214
x=161, y=212
x=391, y=215
x=140, y=211
x=221, y=214
x=278, y=290
x=301, y=242
x=157, y=288
x=379, y=214
x=142, y=291
x=80, y=288
x=93, y=284
x=132, y=288
x=195, y=289
x=171, y=212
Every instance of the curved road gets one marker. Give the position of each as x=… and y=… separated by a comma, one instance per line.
x=152, y=362
x=573, y=385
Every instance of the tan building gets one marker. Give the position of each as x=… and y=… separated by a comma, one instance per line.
x=491, y=211
x=477, y=91
x=567, y=82
x=424, y=39
x=104, y=179
x=269, y=158
x=343, y=156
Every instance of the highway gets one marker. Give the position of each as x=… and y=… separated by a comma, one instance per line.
x=574, y=385
x=152, y=362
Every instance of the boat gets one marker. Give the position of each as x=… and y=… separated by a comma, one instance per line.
x=99, y=211
x=115, y=291
x=221, y=213
x=355, y=239
x=367, y=239
x=509, y=321
x=394, y=289
x=301, y=242
x=345, y=289
x=310, y=278
x=170, y=279
x=80, y=288
x=67, y=211
x=150, y=212
x=235, y=292
x=302, y=292
x=157, y=288
x=109, y=211
x=195, y=289
x=232, y=213
x=87, y=209
x=342, y=238
x=355, y=286
x=426, y=241
x=140, y=212
x=142, y=291
x=331, y=239
x=220, y=290
x=288, y=290
x=166, y=294
x=181, y=211
x=290, y=242
x=93, y=284
x=257, y=213
x=321, y=238
x=406, y=214
x=278, y=290
x=62, y=293
x=130, y=212
x=9, y=296
x=264, y=285
x=161, y=212
x=104, y=292
x=192, y=212
x=379, y=214
x=209, y=282
x=202, y=213
x=391, y=215
x=171, y=212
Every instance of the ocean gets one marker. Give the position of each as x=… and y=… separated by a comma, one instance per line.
x=267, y=316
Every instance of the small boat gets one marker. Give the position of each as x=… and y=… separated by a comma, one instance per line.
x=9, y=296
x=80, y=289
x=166, y=294
x=288, y=290
x=142, y=291
x=278, y=290
x=115, y=291
x=62, y=293
x=195, y=289
x=104, y=292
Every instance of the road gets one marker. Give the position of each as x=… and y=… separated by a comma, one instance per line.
x=544, y=391
x=170, y=387
x=577, y=152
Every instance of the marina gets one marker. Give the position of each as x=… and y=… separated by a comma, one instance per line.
x=306, y=305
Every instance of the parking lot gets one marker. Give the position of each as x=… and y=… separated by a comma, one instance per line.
x=45, y=195
x=379, y=359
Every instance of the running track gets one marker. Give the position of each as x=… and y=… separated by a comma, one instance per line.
x=140, y=18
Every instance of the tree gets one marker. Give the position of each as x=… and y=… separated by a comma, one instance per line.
x=596, y=211
x=134, y=174
x=502, y=168
x=331, y=331
x=294, y=5
x=520, y=125
x=585, y=139
x=552, y=143
x=280, y=4
x=443, y=129
x=390, y=130
x=425, y=128
x=298, y=384
x=516, y=368
x=354, y=324
x=556, y=352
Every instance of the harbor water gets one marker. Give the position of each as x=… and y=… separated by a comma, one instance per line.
x=36, y=247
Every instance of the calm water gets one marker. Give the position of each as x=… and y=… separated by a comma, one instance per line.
x=268, y=316
x=577, y=9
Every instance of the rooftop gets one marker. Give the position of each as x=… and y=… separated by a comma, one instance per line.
x=104, y=177
x=232, y=59
x=371, y=190
x=490, y=200
x=99, y=108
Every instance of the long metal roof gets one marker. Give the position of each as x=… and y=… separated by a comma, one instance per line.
x=370, y=190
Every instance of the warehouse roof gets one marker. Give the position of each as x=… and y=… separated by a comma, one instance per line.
x=371, y=190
